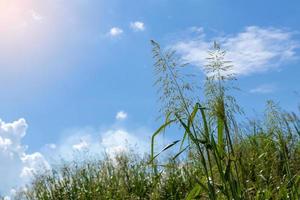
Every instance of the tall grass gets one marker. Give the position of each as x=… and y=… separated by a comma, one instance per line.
x=214, y=135
x=127, y=176
x=217, y=157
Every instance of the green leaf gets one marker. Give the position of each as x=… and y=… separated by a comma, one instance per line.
x=227, y=171
x=193, y=114
x=187, y=129
x=194, y=192
x=183, y=139
x=164, y=149
x=221, y=136
x=161, y=128
x=206, y=129
x=297, y=130
x=180, y=152
x=190, y=122
x=170, y=145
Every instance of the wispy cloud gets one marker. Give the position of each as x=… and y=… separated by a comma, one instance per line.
x=121, y=115
x=264, y=89
x=137, y=26
x=253, y=50
x=115, y=31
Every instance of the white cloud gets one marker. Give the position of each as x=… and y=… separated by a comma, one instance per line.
x=17, y=166
x=36, y=16
x=76, y=145
x=253, y=50
x=119, y=140
x=81, y=145
x=121, y=115
x=31, y=164
x=115, y=31
x=137, y=26
x=264, y=89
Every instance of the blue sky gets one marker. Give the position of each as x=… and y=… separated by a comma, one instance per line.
x=67, y=67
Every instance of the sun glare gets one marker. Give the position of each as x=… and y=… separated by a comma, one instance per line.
x=13, y=15
x=22, y=33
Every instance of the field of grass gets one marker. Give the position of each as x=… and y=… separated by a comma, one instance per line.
x=217, y=157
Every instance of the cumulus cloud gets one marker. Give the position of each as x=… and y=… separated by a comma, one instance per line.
x=137, y=26
x=253, y=50
x=264, y=89
x=115, y=31
x=121, y=115
x=17, y=166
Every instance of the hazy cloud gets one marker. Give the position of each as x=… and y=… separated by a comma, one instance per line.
x=90, y=141
x=264, y=89
x=81, y=145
